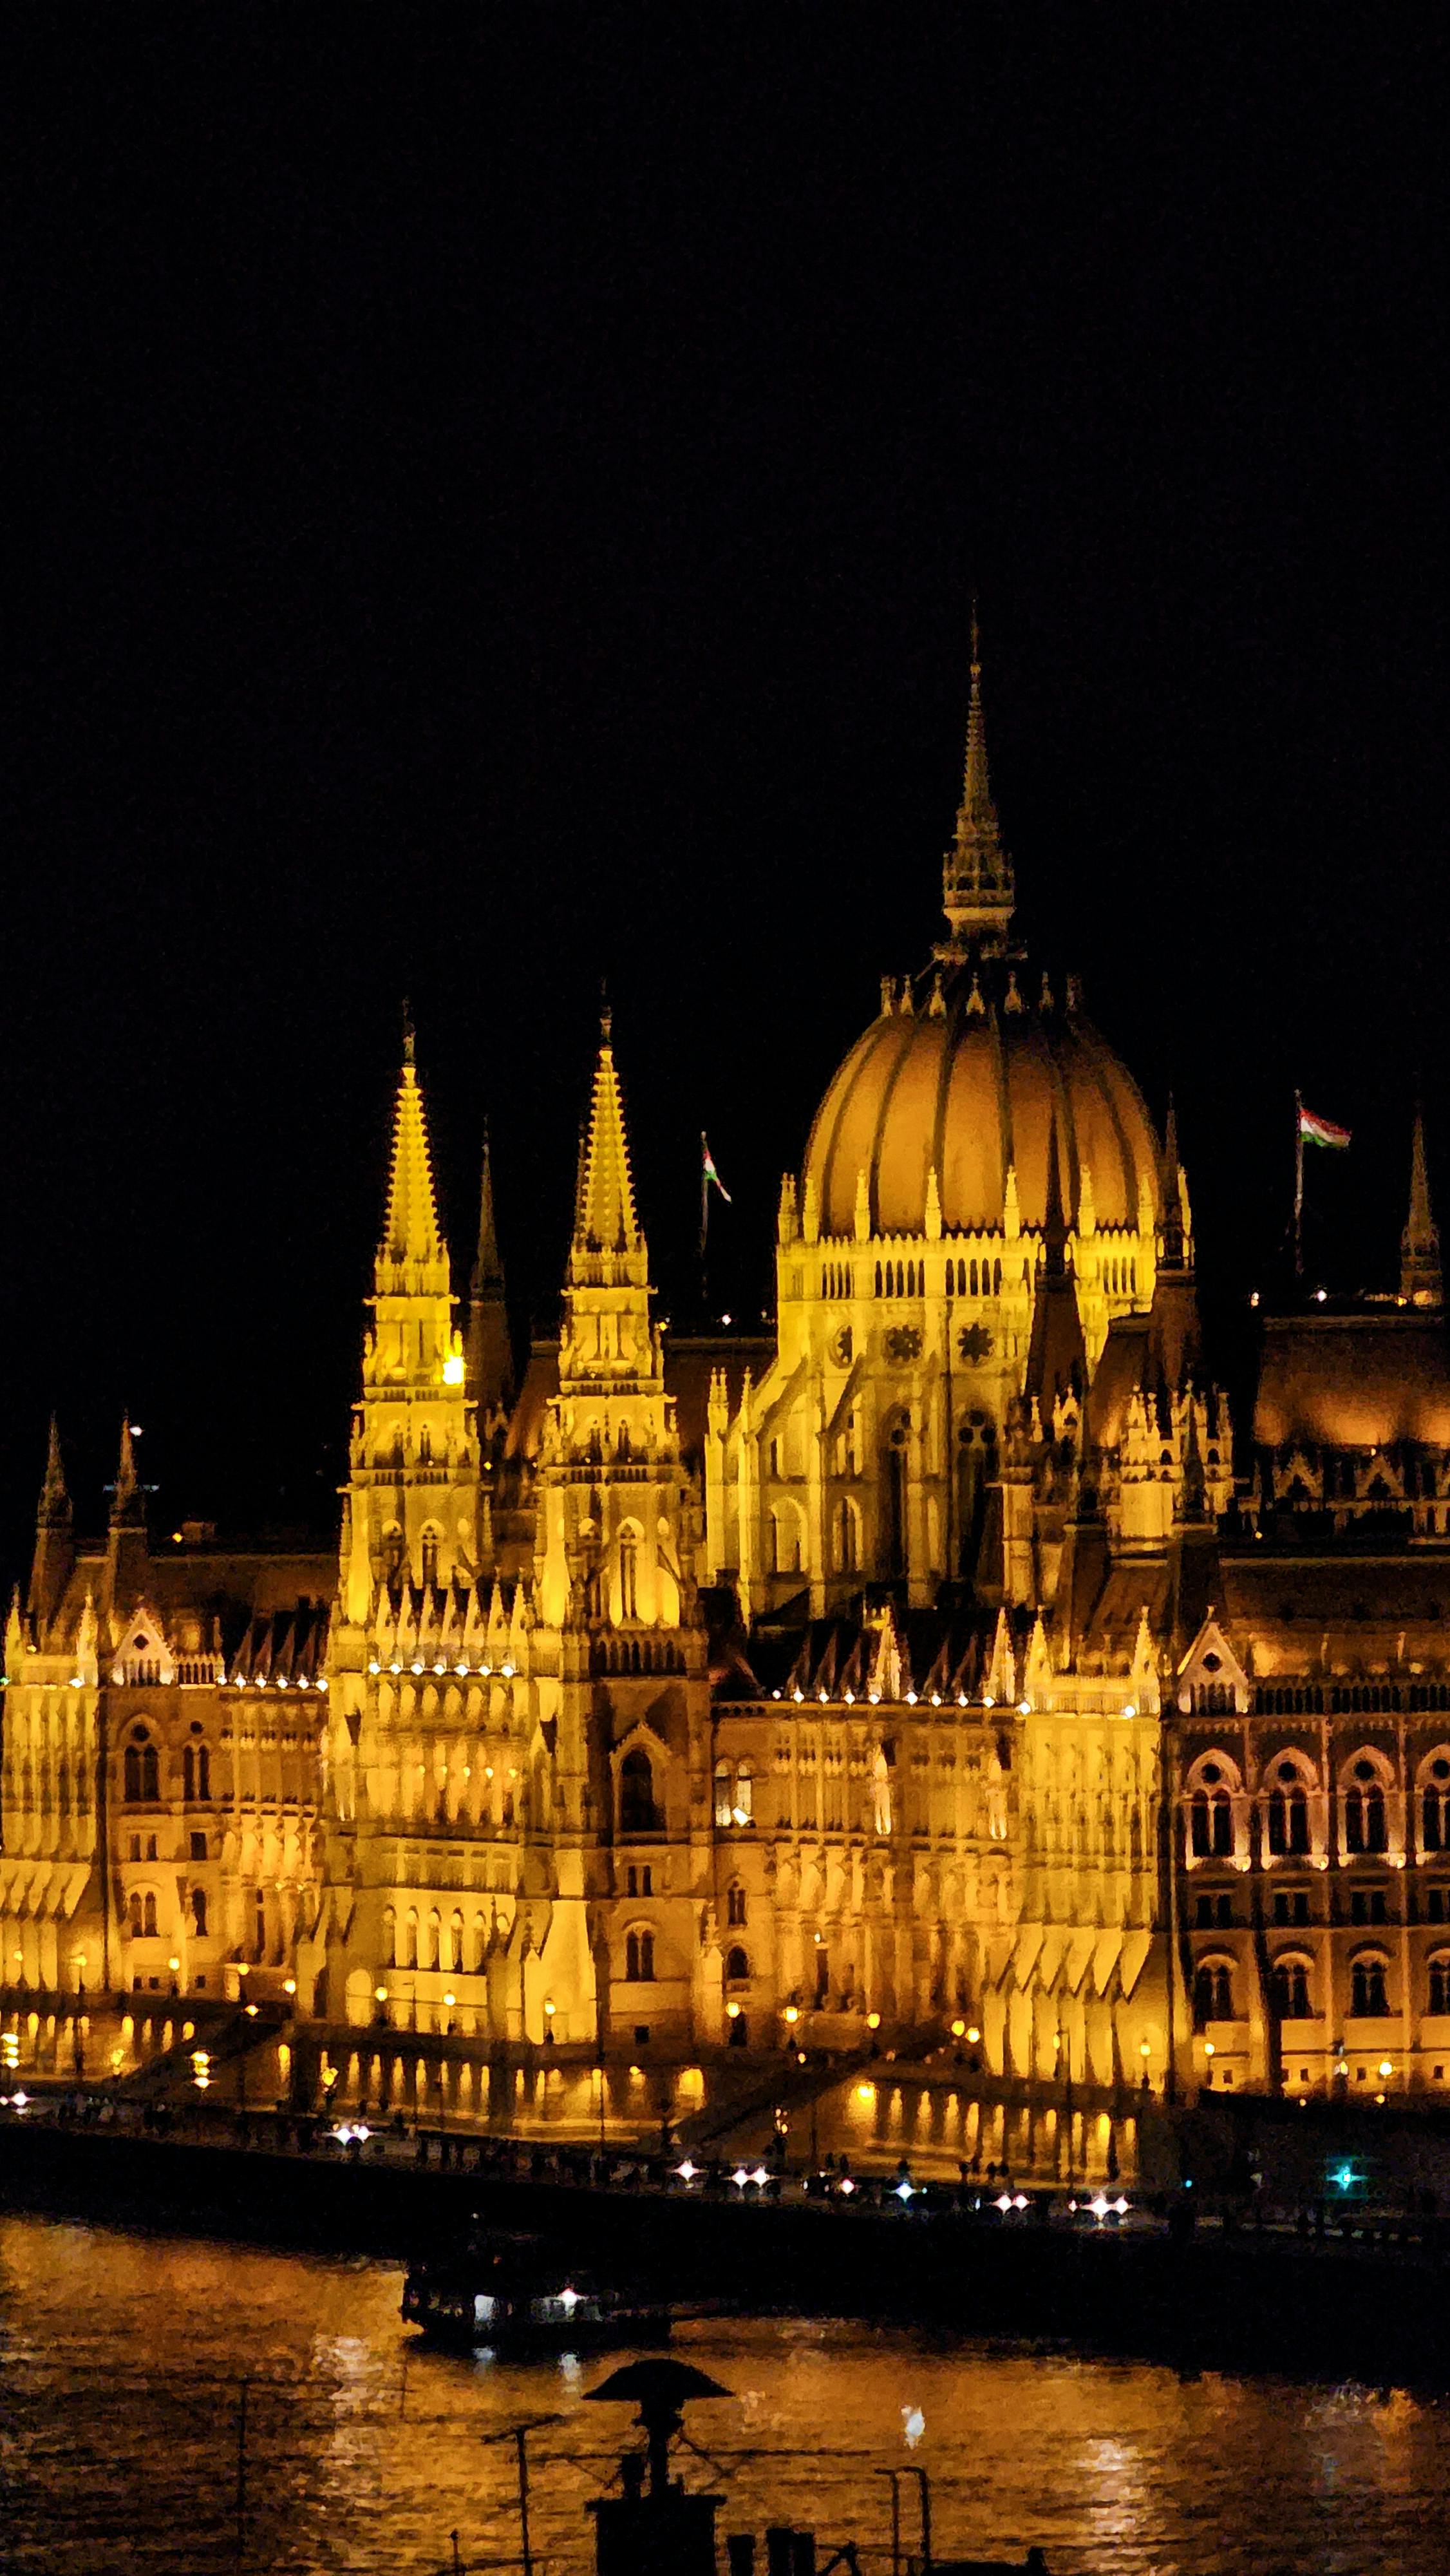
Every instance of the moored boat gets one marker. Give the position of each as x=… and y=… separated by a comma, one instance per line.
x=515, y=2294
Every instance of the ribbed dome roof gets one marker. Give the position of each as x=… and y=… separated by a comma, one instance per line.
x=966, y=1081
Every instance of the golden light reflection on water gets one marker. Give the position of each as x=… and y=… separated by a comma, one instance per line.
x=119, y=2421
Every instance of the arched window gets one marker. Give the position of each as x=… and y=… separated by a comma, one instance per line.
x=735, y=1902
x=392, y=1553
x=196, y=1773
x=848, y=1554
x=1435, y=1805
x=1211, y=1817
x=454, y=1958
x=133, y=1914
x=142, y=1774
x=429, y=1554
x=639, y=1958
x=637, y=1811
x=1364, y=1810
x=390, y=1937
x=435, y=1935
x=724, y=1800
x=743, y=1810
x=1439, y=1995
x=737, y=1967
x=629, y=1571
x=1288, y=1811
x=1213, y=1994
x=198, y=1912
x=1290, y=1987
x=259, y=1924
x=996, y=1277
x=1369, y=1995
x=148, y=1915
x=410, y=1938
x=972, y=1278
x=785, y=1540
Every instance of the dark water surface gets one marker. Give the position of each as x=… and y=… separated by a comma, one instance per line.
x=120, y=2405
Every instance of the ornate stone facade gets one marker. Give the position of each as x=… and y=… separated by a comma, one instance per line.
x=949, y=1660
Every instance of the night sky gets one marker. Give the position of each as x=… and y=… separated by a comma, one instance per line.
x=492, y=501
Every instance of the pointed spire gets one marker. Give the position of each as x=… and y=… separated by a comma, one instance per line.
x=126, y=1500
x=978, y=889
x=489, y=1360
x=1421, y=1283
x=487, y=1261
x=55, y=1505
x=411, y=1240
x=604, y=1215
x=1172, y=1232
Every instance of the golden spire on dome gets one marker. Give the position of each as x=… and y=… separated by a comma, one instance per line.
x=978, y=888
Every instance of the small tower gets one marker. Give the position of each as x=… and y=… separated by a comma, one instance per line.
x=414, y=1456
x=1421, y=1283
x=55, y=1552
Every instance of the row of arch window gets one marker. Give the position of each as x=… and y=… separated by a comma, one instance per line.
x=1364, y=1811
x=1291, y=1989
x=974, y=1278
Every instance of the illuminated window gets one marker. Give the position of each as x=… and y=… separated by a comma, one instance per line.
x=1435, y=1806
x=1288, y=1812
x=1439, y=1995
x=1291, y=1989
x=735, y=1903
x=1210, y=1812
x=429, y=1555
x=1364, y=1810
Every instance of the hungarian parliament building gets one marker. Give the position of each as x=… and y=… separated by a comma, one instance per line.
x=949, y=1661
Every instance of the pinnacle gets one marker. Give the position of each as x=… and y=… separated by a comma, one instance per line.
x=604, y=1218
x=410, y=1228
x=1421, y=1283
x=488, y=1261
x=54, y=1498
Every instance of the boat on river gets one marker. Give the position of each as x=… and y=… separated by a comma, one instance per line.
x=515, y=2294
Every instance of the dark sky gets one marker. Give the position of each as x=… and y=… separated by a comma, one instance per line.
x=492, y=500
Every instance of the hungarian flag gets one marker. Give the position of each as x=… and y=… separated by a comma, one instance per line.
x=1321, y=1131
x=709, y=1173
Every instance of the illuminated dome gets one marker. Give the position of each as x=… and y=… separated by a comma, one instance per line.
x=971, y=1087
x=972, y=1065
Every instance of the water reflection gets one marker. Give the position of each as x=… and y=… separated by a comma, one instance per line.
x=122, y=2432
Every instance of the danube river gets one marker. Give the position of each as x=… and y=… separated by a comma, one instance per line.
x=124, y=2425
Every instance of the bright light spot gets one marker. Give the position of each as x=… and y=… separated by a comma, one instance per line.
x=913, y=2425
x=865, y=2092
x=959, y=2030
x=873, y=2021
x=569, y=2299
x=1003, y=2202
x=453, y=1369
x=1099, y=2205
x=740, y=2177
x=973, y=2034
x=759, y=2175
x=687, y=2171
x=847, y=2186
x=1019, y=2200
x=1385, y=2066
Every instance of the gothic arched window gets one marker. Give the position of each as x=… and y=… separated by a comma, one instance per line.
x=637, y=1811
x=1211, y=1819
x=1213, y=1998
x=629, y=1571
x=639, y=1958
x=1290, y=1986
x=1364, y=1810
x=1369, y=1996
x=1288, y=1812
x=142, y=1775
x=737, y=1966
x=1435, y=1806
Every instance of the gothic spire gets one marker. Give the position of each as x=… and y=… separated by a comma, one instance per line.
x=127, y=1503
x=55, y=1504
x=411, y=1240
x=604, y=1217
x=489, y=1376
x=978, y=889
x=487, y=1261
x=1420, y=1277
x=1171, y=1230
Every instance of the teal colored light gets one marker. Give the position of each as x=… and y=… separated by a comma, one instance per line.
x=1345, y=2177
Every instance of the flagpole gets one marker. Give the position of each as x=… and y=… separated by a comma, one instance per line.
x=1298, y=1186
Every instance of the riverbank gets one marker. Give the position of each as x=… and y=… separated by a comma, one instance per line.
x=1234, y=2298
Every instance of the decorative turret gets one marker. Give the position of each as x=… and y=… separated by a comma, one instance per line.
x=978, y=889
x=1421, y=1283
x=412, y=1256
x=489, y=1369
